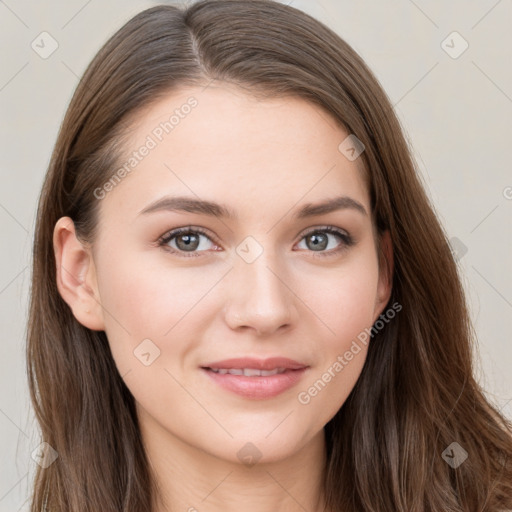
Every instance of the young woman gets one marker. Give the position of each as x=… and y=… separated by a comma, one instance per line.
x=242, y=298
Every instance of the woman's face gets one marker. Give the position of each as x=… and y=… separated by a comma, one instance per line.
x=267, y=281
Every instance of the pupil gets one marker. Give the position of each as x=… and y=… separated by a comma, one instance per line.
x=188, y=241
x=316, y=243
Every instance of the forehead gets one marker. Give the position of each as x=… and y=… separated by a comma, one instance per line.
x=222, y=144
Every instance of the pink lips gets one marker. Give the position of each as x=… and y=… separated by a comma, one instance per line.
x=254, y=386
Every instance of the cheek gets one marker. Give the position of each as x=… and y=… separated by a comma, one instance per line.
x=164, y=304
x=150, y=300
x=345, y=308
x=343, y=301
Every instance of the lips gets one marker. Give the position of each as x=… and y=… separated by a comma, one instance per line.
x=256, y=379
x=248, y=372
x=269, y=364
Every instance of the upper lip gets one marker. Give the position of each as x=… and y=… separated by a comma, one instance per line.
x=258, y=364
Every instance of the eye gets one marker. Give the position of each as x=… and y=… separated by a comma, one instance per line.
x=185, y=240
x=189, y=240
x=318, y=240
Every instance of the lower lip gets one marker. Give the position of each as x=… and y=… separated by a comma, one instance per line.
x=257, y=388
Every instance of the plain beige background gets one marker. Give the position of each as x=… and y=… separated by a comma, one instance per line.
x=452, y=92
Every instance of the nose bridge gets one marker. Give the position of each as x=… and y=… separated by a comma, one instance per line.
x=259, y=297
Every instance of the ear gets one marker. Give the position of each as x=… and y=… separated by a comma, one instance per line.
x=76, y=275
x=386, y=266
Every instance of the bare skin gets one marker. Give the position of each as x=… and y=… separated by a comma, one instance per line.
x=306, y=296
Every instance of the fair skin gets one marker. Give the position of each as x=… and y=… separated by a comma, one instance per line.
x=265, y=160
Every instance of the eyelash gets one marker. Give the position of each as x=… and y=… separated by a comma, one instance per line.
x=347, y=240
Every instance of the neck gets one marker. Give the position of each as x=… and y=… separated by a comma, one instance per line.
x=192, y=480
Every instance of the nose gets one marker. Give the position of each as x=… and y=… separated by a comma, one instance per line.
x=259, y=297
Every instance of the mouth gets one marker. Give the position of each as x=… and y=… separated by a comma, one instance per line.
x=248, y=372
x=256, y=379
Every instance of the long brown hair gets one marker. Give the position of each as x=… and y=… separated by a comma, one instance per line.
x=416, y=394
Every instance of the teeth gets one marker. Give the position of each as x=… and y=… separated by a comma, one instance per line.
x=248, y=372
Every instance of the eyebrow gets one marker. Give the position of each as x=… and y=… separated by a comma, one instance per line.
x=192, y=205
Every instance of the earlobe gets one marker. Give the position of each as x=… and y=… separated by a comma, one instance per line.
x=386, y=268
x=76, y=276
